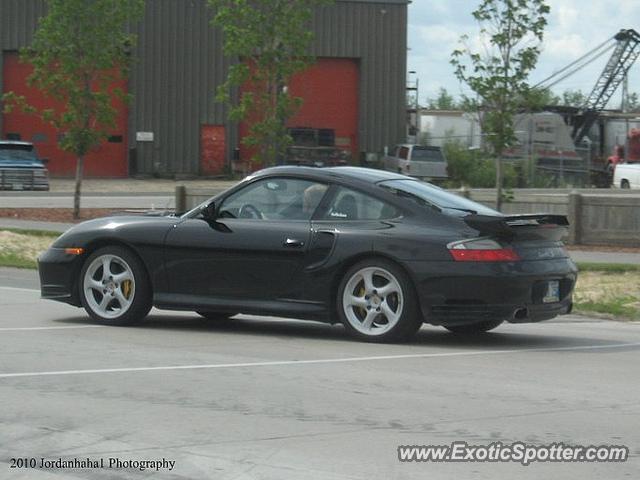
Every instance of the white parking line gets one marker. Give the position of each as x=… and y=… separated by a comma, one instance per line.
x=317, y=361
x=18, y=329
x=20, y=289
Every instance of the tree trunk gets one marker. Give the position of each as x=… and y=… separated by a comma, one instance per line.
x=76, y=194
x=499, y=181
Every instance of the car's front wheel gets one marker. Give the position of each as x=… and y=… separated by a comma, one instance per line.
x=376, y=302
x=474, y=328
x=114, y=287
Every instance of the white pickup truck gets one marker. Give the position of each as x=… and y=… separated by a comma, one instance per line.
x=627, y=175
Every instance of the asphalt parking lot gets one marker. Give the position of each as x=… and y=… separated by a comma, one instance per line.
x=262, y=398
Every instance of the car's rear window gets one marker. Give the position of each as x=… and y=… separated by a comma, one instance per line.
x=425, y=193
x=427, y=154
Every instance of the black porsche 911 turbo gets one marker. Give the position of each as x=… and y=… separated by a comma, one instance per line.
x=379, y=252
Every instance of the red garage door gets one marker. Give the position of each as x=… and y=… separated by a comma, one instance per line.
x=109, y=160
x=329, y=89
x=330, y=92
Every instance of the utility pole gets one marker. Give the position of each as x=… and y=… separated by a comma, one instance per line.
x=412, y=109
x=625, y=94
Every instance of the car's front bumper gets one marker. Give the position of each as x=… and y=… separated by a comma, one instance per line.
x=58, y=273
x=458, y=293
x=24, y=179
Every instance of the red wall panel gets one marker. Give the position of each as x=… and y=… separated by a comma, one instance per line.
x=329, y=89
x=108, y=160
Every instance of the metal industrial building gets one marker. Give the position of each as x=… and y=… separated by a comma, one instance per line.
x=174, y=126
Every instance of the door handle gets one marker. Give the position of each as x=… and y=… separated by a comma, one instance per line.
x=293, y=243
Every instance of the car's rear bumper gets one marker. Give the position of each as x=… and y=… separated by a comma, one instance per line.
x=58, y=272
x=457, y=293
x=453, y=314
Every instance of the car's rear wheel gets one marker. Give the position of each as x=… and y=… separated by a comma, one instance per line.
x=114, y=287
x=217, y=316
x=625, y=184
x=475, y=328
x=376, y=302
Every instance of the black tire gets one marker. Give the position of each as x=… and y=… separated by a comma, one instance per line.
x=474, y=328
x=405, y=304
x=216, y=316
x=140, y=290
x=625, y=184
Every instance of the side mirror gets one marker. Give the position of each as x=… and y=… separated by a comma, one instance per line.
x=209, y=211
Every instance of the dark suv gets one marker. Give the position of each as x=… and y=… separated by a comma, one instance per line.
x=20, y=167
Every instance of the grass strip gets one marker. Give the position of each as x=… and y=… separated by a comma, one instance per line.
x=619, y=307
x=607, y=267
x=33, y=233
x=17, y=261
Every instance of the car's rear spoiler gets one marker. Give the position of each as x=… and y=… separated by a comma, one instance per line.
x=536, y=225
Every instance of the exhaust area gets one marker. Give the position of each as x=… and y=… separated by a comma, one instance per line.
x=521, y=314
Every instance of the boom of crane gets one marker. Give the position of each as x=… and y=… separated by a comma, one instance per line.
x=624, y=55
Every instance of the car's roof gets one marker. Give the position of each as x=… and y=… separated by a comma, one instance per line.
x=15, y=142
x=368, y=175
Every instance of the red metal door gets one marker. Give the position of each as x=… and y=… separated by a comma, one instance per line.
x=108, y=160
x=213, y=149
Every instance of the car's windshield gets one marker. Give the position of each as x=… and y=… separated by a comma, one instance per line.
x=427, y=194
x=17, y=152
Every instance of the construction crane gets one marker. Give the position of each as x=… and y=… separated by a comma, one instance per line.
x=626, y=49
x=623, y=57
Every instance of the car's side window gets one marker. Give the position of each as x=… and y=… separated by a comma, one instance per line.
x=353, y=205
x=274, y=199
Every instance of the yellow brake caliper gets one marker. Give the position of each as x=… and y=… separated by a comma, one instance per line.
x=363, y=310
x=126, y=288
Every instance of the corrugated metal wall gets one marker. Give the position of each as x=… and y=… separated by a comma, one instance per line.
x=180, y=63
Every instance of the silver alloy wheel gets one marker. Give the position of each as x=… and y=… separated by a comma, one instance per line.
x=373, y=301
x=109, y=286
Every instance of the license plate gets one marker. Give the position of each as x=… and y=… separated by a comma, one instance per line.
x=553, y=292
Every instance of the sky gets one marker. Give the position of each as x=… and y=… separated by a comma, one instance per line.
x=574, y=28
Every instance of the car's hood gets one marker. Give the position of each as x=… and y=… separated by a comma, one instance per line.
x=17, y=163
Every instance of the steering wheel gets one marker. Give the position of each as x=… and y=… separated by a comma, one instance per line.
x=249, y=211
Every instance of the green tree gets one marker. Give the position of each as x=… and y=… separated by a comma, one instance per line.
x=474, y=168
x=79, y=52
x=633, y=103
x=573, y=98
x=536, y=99
x=444, y=101
x=511, y=33
x=269, y=40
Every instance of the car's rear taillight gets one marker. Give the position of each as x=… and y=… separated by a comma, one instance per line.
x=481, y=250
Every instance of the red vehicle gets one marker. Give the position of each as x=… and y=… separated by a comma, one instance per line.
x=619, y=154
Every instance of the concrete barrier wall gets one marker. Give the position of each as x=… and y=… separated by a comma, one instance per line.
x=597, y=217
x=188, y=198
